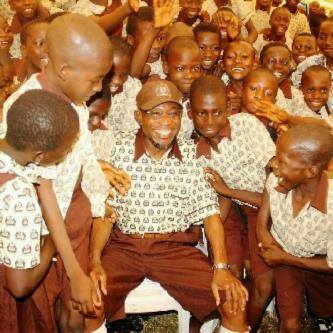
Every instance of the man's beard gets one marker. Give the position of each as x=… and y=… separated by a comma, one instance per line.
x=160, y=146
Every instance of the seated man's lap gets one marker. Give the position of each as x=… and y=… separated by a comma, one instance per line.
x=184, y=271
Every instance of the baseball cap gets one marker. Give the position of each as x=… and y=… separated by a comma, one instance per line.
x=154, y=93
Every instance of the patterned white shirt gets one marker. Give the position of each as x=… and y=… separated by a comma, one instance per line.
x=317, y=59
x=298, y=23
x=87, y=8
x=21, y=222
x=165, y=196
x=261, y=42
x=308, y=234
x=187, y=126
x=102, y=142
x=94, y=183
x=120, y=117
x=157, y=68
x=241, y=161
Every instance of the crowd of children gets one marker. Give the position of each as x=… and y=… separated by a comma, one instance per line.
x=131, y=129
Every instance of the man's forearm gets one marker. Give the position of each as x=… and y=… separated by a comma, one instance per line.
x=215, y=234
x=99, y=236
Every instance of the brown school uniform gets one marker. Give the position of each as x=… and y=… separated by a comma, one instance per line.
x=153, y=237
x=240, y=157
x=306, y=235
x=78, y=222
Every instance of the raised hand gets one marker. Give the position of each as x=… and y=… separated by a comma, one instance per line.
x=164, y=14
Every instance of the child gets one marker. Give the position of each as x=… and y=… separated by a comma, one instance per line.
x=304, y=46
x=6, y=36
x=182, y=66
x=78, y=51
x=298, y=244
x=325, y=45
x=33, y=49
x=208, y=37
x=124, y=89
x=147, y=42
x=298, y=22
x=276, y=57
x=98, y=106
x=279, y=23
x=36, y=134
x=261, y=16
x=238, y=61
x=315, y=91
x=239, y=148
x=191, y=13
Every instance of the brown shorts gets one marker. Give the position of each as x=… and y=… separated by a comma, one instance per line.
x=291, y=285
x=56, y=284
x=258, y=265
x=236, y=238
x=182, y=270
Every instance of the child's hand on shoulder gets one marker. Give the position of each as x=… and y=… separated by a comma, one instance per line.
x=217, y=182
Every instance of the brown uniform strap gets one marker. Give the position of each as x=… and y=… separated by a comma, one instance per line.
x=5, y=177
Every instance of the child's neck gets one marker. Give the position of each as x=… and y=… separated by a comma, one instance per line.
x=307, y=190
x=31, y=69
x=329, y=63
x=274, y=37
x=23, y=20
x=18, y=156
x=237, y=86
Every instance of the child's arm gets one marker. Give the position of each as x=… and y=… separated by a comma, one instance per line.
x=21, y=282
x=141, y=53
x=111, y=21
x=252, y=31
x=225, y=205
x=253, y=198
x=82, y=288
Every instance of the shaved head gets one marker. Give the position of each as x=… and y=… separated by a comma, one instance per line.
x=313, y=143
x=74, y=37
x=80, y=55
x=179, y=44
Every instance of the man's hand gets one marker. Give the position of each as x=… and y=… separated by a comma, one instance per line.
x=164, y=13
x=272, y=254
x=98, y=277
x=217, y=182
x=119, y=179
x=84, y=294
x=270, y=111
x=236, y=294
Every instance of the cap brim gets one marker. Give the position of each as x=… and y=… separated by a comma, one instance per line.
x=158, y=101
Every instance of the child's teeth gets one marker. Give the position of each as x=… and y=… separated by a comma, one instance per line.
x=277, y=74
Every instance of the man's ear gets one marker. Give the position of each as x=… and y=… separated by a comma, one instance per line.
x=165, y=68
x=189, y=110
x=23, y=51
x=130, y=40
x=138, y=117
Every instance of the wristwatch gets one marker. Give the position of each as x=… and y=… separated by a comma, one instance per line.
x=220, y=265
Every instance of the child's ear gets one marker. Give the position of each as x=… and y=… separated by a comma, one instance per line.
x=138, y=117
x=39, y=156
x=130, y=40
x=64, y=71
x=165, y=68
x=312, y=171
x=189, y=110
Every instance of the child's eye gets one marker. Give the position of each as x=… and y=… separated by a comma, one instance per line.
x=179, y=69
x=196, y=69
x=217, y=113
x=323, y=91
x=253, y=88
x=201, y=114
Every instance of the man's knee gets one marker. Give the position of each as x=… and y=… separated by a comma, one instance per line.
x=292, y=325
x=233, y=321
x=72, y=321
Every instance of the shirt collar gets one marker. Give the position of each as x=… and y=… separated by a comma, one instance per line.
x=50, y=87
x=285, y=86
x=15, y=26
x=140, y=149
x=205, y=145
x=319, y=201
